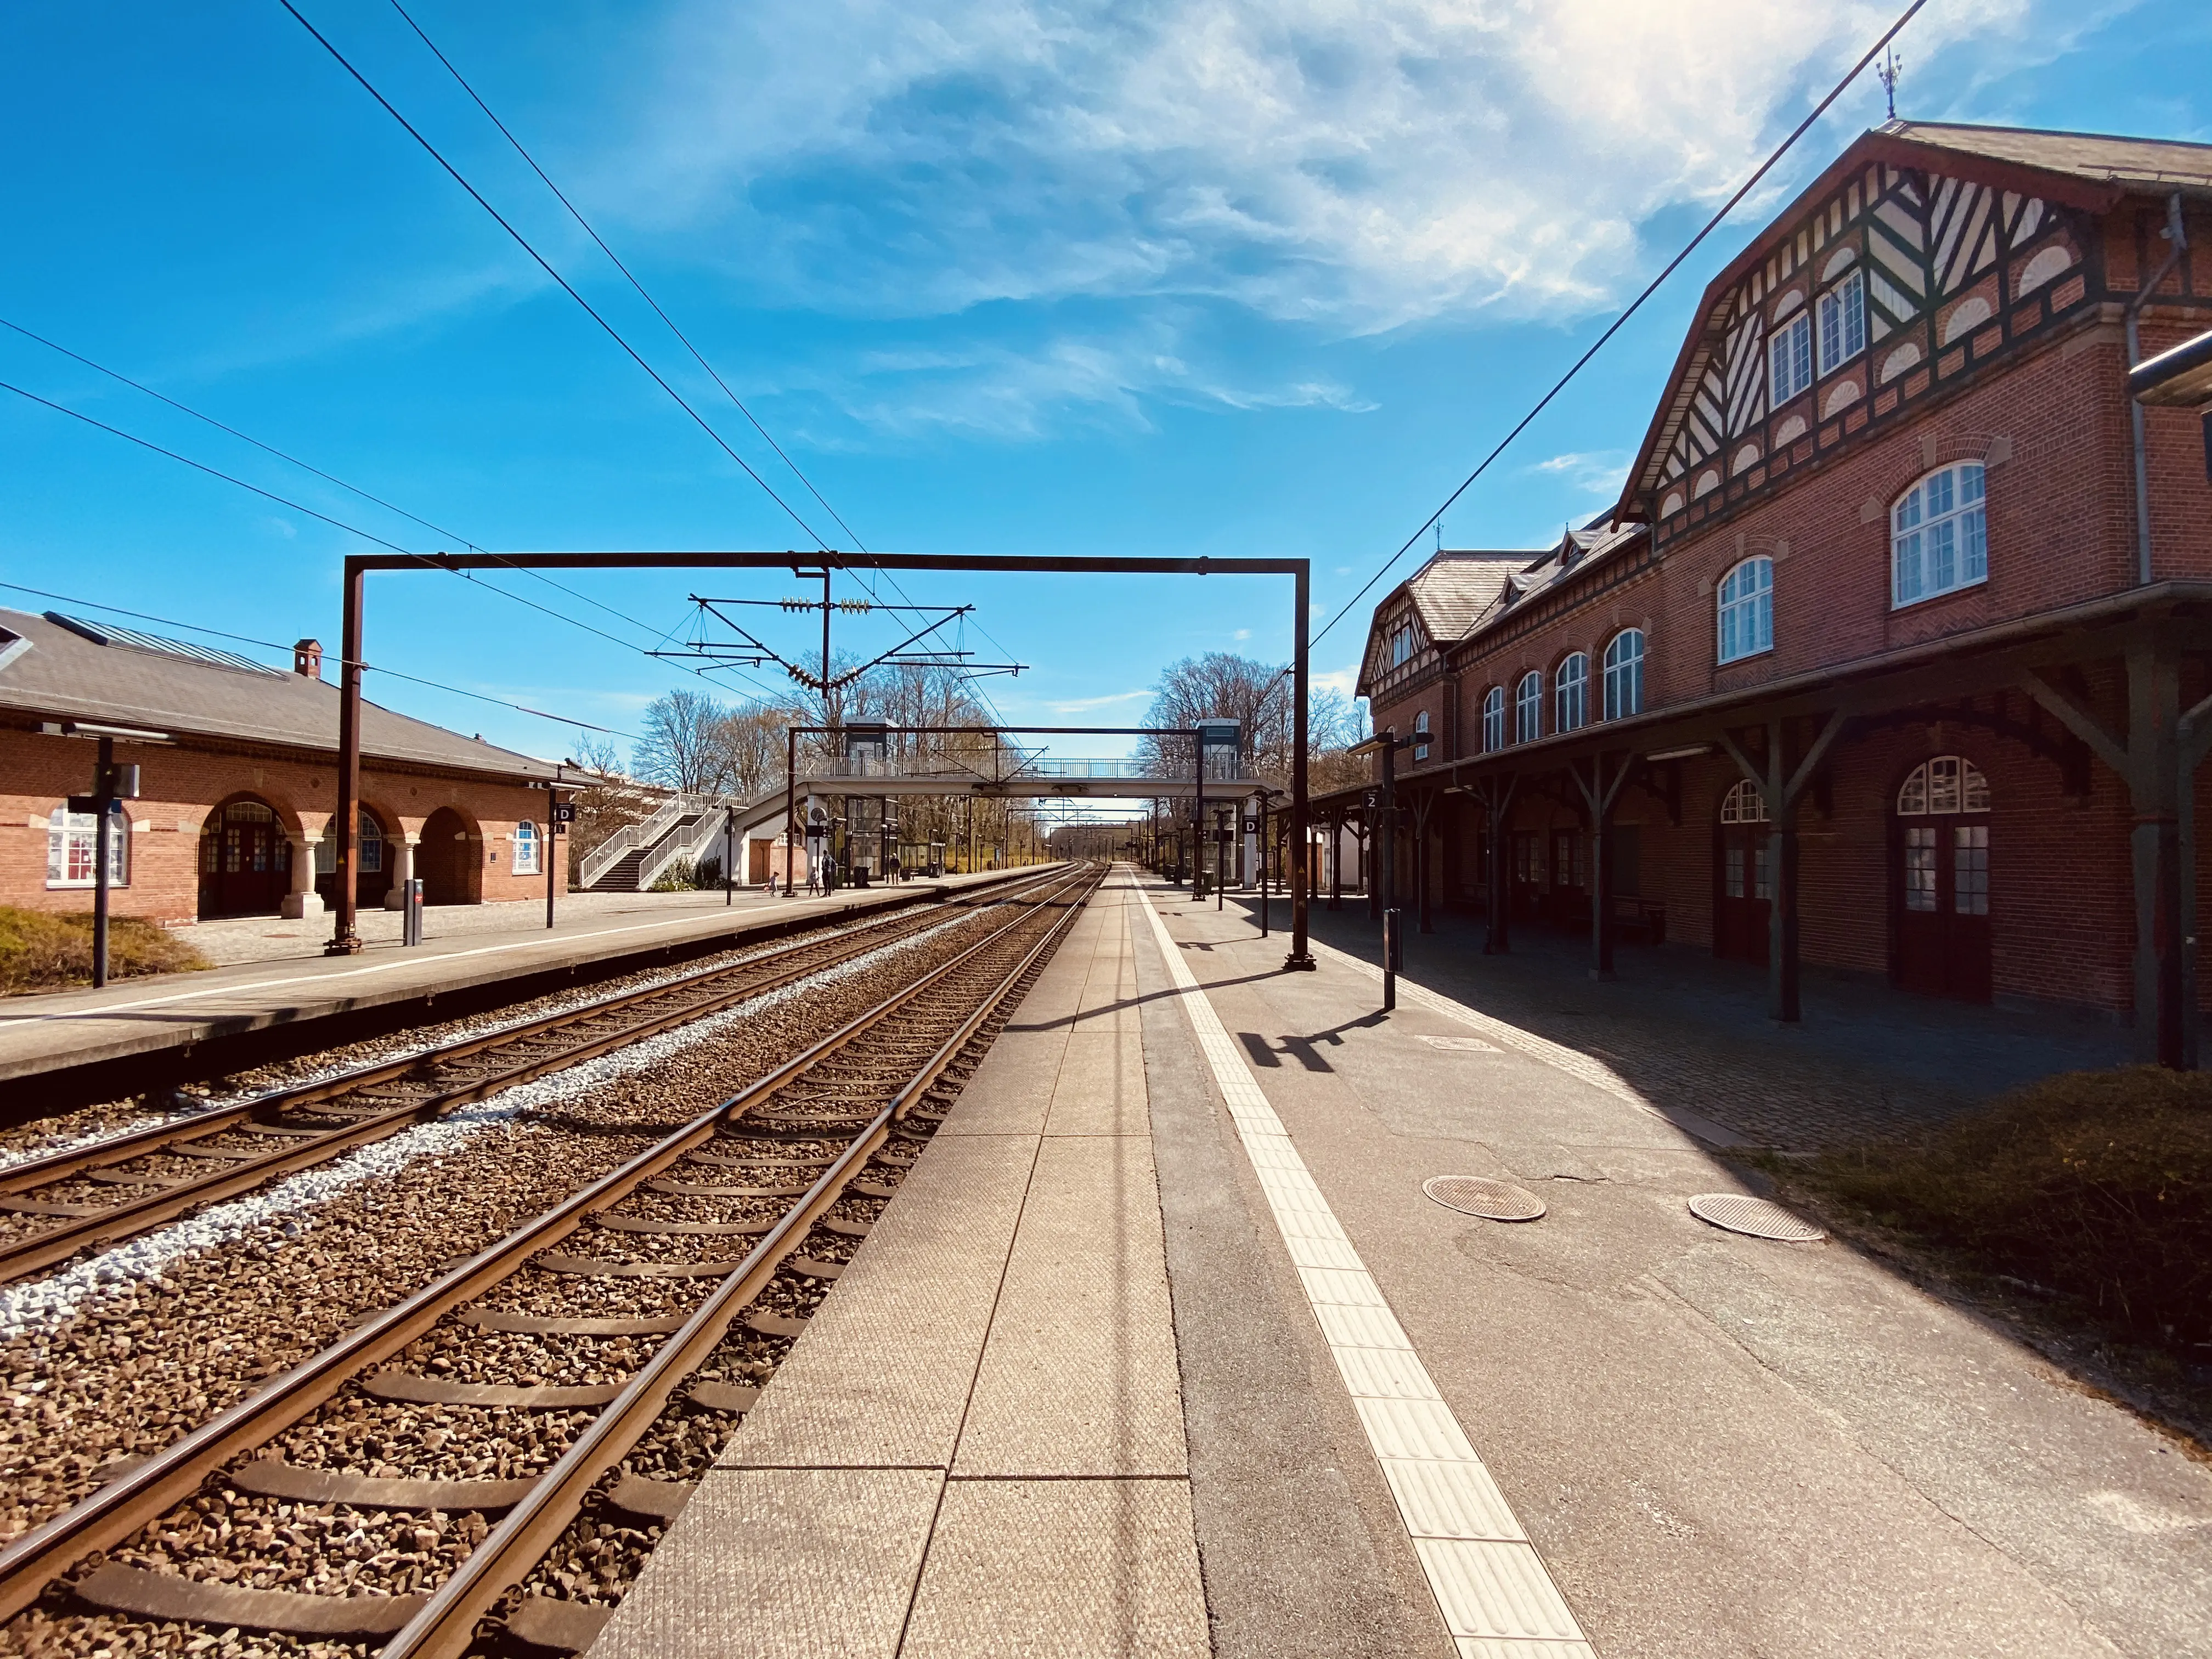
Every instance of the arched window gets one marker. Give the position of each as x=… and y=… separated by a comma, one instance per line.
x=1743, y=805
x=1939, y=536
x=1529, y=708
x=525, y=849
x=72, y=838
x=1571, y=694
x=1421, y=735
x=370, y=840
x=1624, y=674
x=1947, y=784
x=1493, y=720
x=1746, y=609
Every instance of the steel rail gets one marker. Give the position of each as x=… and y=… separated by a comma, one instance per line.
x=446, y=1627
x=27, y=1254
x=115, y=1512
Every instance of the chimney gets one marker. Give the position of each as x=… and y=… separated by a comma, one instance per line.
x=307, y=659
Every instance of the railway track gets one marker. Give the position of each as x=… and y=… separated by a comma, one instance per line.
x=101, y=1193
x=795, y=1165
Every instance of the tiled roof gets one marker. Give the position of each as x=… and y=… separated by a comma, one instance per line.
x=2144, y=162
x=56, y=669
x=1452, y=589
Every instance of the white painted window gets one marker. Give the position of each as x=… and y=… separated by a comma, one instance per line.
x=525, y=849
x=1421, y=735
x=1842, y=322
x=1493, y=720
x=1624, y=674
x=71, y=840
x=1529, y=708
x=1746, y=609
x=1939, y=539
x=1947, y=784
x=1401, y=641
x=1571, y=694
x=368, y=839
x=1790, y=359
x=1743, y=805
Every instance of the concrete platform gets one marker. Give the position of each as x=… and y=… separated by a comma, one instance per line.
x=1163, y=1350
x=134, y=1025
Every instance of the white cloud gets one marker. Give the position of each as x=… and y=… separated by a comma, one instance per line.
x=1597, y=472
x=1357, y=165
x=1085, y=705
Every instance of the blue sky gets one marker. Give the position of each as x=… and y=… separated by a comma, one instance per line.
x=1000, y=276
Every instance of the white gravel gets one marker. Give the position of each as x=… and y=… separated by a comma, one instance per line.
x=137, y=1260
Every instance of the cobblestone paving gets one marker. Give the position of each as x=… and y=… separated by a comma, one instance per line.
x=1686, y=1031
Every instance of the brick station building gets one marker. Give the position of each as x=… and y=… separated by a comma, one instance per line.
x=234, y=811
x=1880, y=662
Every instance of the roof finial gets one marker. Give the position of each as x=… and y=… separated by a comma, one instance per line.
x=1891, y=64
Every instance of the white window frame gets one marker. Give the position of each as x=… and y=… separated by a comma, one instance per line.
x=1842, y=322
x=1529, y=708
x=527, y=861
x=1939, y=535
x=1624, y=674
x=1789, y=360
x=1571, y=693
x=1421, y=735
x=1744, y=609
x=1401, y=641
x=70, y=840
x=1943, y=785
x=368, y=847
x=1493, y=720
x=1743, y=804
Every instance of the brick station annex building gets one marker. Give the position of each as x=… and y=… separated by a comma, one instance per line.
x=1877, y=664
x=234, y=811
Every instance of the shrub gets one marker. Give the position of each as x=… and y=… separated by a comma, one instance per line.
x=678, y=878
x=42, y=951
x=2097, y=1184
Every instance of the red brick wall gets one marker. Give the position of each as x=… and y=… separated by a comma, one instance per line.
x=180, y=786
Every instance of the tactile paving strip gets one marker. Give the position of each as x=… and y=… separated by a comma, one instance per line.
x=1497, y=1599
x=1493, y=1201
x=1758, y=1216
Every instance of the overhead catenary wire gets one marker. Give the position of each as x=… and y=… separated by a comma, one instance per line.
x=273, y=645
x=1690, y=247
x=524, y=243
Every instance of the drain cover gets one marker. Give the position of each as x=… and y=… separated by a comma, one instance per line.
x=1754, y=1216
x=1459, y=1045
x=1496, y=1200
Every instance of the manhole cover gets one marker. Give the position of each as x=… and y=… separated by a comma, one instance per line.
x=1459, y=1045
x=1496, y=1200
x=1754, y=1216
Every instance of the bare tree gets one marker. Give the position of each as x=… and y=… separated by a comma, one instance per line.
x=680, y=748
x=749, y=744
x=605, y=800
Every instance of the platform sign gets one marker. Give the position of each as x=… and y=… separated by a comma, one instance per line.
x=1251, y=826
x=564, y=811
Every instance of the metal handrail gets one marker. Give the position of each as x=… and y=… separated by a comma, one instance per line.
x=609, y=852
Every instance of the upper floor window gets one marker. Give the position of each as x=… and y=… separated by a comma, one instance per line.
x=1843, y=321
x=1939, y=535
x=1401, y=641
x=1624, y=674
x=1789, y=357
x=1571, y=693
x=72, y=858
x=525, y=849
x=1529, y=708
x=1421, y=735
x=1493, y=720
x=1746, y=609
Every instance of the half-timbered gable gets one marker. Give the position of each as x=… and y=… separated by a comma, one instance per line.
x=1924, y=253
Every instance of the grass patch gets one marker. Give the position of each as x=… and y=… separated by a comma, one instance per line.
x=42, y=951
x=2094, y=1185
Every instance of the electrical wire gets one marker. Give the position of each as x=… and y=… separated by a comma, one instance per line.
x=630, y=276
x=1711, y=225
x=523, y=242
x=366, y=667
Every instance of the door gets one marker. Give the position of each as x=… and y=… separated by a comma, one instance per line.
x=246, y=862
x=448, y=859
x=1943, y=881
x=1743, y=886
x=1527, y=875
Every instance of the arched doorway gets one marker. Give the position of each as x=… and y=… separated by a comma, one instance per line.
x=246, y=861
x=373, y=878
x=1744, y=886
x=449, y=859
x=1941, y=858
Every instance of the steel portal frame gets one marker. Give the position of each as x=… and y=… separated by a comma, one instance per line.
x=346, y=941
